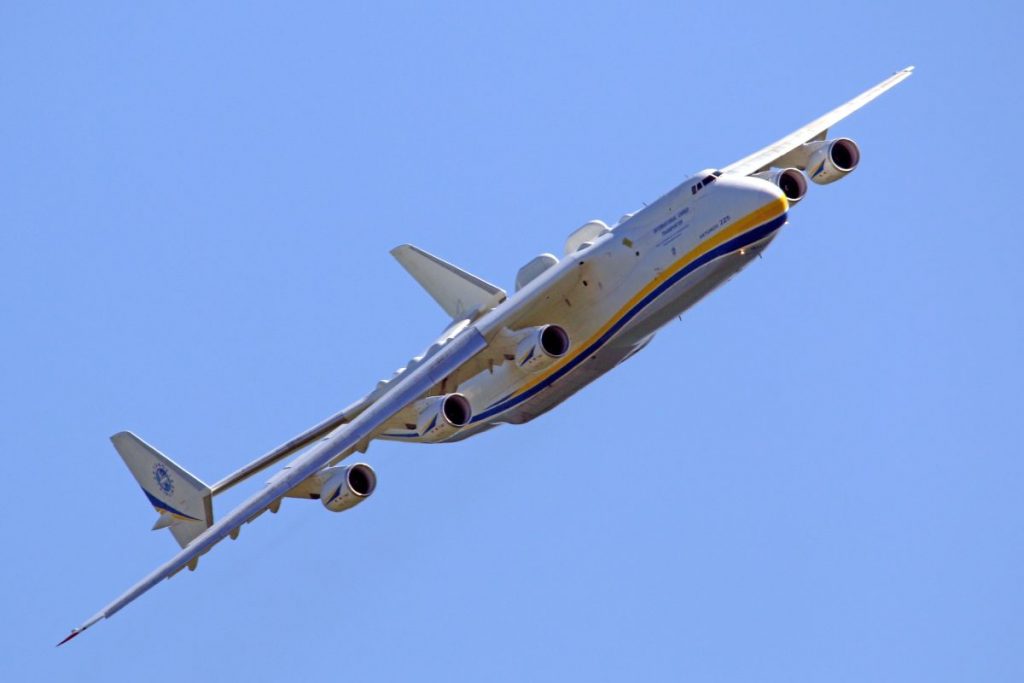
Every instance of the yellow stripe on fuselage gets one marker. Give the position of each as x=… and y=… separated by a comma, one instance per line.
x=768, y=212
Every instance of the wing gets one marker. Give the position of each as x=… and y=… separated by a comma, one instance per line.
x=406, y=389
x=766, y=157
x=294, y=445
x=498, y=326
x=459, y=293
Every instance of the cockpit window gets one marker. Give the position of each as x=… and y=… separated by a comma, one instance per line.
x=704, y=182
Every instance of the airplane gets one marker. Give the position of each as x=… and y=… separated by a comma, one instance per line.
x=506, y=359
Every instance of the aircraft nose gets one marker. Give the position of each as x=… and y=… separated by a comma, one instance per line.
x=765, y=192
x=748, y=195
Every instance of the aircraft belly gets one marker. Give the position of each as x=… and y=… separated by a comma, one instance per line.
x=595, y=366
x=636, y=334
x=631, y=338
x=689, y=291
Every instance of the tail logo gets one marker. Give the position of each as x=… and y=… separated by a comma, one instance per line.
x=163, y=479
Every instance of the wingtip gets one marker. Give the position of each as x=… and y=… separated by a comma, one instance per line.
x=78, y=629
x=910, y=69
x=74, y=632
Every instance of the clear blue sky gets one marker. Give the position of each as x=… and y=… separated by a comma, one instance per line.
x=816, y=475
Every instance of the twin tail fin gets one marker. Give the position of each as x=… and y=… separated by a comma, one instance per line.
x=183, y=502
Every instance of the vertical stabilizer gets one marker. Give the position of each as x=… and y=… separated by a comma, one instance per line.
x=183, y=502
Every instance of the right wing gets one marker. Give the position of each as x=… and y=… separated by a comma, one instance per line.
x=765, y=158
x=294, y=445
x=405, y=390
x=442, y=367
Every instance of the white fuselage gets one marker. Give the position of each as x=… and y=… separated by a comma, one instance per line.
x=631, y=281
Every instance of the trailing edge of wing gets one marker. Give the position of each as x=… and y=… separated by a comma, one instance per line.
x=764, y=158
x=460, y=349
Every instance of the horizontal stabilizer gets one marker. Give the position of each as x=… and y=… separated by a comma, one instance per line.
x=183, y=502
x=459, y=293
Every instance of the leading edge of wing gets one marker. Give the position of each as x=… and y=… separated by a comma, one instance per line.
x=460, y=349
x=764, y=157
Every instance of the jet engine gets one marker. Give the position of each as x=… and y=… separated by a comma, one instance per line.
x=346, y=486
x=830, y=160
x=790, y=180
x=541, y=347
x=441, y=416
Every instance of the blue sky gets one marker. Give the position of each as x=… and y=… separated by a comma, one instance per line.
x=816, y=475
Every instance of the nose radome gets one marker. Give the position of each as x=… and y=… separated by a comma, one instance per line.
x=752, y=193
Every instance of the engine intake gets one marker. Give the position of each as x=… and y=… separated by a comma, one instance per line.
x=541, y=346
x=791, y=181
x=347, y=486
x=455, y=410
x=441, y=416
x=832, y=159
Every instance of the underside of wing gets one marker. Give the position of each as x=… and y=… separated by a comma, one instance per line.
x=341, y=441
x=773, y=154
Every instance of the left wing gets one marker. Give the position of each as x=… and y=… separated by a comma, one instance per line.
x=340, y=442
x=767, y=157
x=460, y=294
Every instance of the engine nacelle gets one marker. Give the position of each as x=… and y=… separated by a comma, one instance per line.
x=830, y=160
x=541, y=346
x=346, y=486
x=791, y=181
x=441, y=416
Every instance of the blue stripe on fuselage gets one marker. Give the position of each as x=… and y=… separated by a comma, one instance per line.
x=738, y=242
